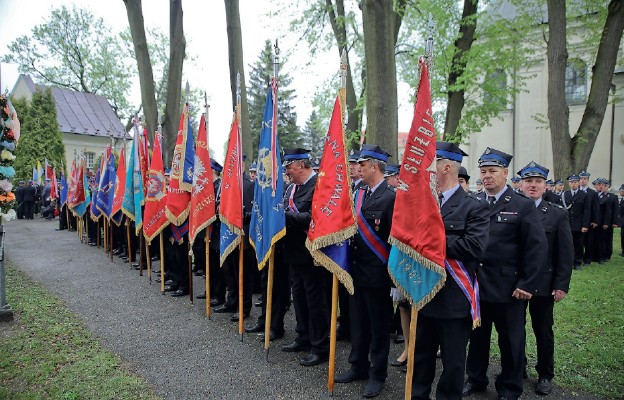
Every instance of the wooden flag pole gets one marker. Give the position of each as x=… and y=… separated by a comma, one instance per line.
x=190, y=271
x=148, y=259
x=241, y=326
x=207, y=269
x=410, y=354
x=162, y=264
x=105, y=237
x=141, y=246
x=269, y=304
x=332, y=336
x=97, y=236
x=67, y=216
x=110, y=236
x=86, y=223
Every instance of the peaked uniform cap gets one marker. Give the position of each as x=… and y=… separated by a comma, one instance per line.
x=295, y=154
x=532, y=170
x=354, y=155
x=391, y=170
x=372, y=151
x=463, y=173
x=449, y=151
x=494, y=158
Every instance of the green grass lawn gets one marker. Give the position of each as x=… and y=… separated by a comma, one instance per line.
x=47, y=352
x=589, y=330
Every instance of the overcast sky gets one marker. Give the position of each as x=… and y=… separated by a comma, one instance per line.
x=205, y=31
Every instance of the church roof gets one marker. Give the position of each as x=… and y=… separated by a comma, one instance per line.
x=82, y=113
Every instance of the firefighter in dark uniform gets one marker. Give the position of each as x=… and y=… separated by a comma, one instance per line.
x=554, y=283
x=588, y=240
x=310, y=283
x=515, y=184
x=371, y=304
x=578, y=203
x=615, y=216
x=446, y=321
x=508, y=277
x=604, y=222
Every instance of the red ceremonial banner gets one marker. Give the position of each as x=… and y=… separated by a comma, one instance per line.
x=417, y=224
x=120, y=185
x=333, y=217
x=178, y=199
x=155, y=214
x=203, y=210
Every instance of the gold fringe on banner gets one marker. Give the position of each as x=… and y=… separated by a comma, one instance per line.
x=425, y=262
x=274, y=239
x=239, y=234
x=202, y=226
x=180, y=219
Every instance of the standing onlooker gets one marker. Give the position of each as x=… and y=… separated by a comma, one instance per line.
x=579, y=206
x=30, y=193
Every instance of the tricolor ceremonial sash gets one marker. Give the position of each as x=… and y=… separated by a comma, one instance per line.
x=471, y=289
x=378, y=246
x=178, y=232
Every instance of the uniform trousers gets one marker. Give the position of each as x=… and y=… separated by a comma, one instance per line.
x=311, y=297
x=608, y=242
x=176, y=256
x=452, y=336
x=508, y=318
x=344, y=329
x=577, y=241
x=371, y=317
x=588, y=243
x=541, y=309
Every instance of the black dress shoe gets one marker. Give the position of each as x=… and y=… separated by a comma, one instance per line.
x=350, y=376
x=116, y=252
x=544, y=386
x=295, y=347
x=136, y=266
x=179, y=293
x=216, y=302
x=398, y=339
x=225, y=309
x=171, y=288
x=123, y=255
x=397, y=363
x=258, y=302
x=126, y=260
x=59, y=229
x=470, y=388
x=201, y=296
x=155, y=258
x=372, y=389
x=313, y=359
x=199, y=272
x=168, y=282
x=234, y=317
x=255, y=329
x=272, y=336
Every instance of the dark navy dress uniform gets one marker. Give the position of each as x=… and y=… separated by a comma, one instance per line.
x=371, y=304
x=515, y=258
x=310, y=283
x=446, y=320
x=555, y=276
x=602, y=233
x=588, y=241
x=578, y=205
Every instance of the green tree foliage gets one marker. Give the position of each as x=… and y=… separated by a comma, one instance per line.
x=40, y=137
x=314, y=134
x=259, y=77
x=491, y=76
x=73, y=50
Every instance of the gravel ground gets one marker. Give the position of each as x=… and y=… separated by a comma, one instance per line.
x=170, y=342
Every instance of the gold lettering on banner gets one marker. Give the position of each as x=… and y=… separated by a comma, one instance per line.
x=201, y=205
x=327, y=209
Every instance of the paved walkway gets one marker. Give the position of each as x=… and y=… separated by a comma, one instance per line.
x=168, y=340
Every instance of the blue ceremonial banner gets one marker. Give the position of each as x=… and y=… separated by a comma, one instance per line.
x=95, y=189
x=268, y=224
x=106, y=191
x=127, y=205
x=63, y=195
x=137, y=180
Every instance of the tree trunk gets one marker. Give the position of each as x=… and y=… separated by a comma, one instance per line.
x=144, y=64
x=237, y=64
x=558, y=111
x=456, y=97
x=354, y=113
x=177, y=44
x=379, y=18
x=602, y=75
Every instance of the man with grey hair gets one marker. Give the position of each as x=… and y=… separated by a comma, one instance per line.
x=310, y=284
